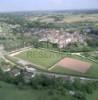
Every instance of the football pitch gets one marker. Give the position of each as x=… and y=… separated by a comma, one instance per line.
x=60, y=62
x=40, y=57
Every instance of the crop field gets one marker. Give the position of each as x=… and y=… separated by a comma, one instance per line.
x=69, y=18
x=60, y=62
x=81, y=18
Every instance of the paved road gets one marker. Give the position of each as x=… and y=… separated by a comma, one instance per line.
x=67, y=76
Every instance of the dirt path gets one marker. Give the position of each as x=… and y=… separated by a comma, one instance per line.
x=7, y=60
x=13, y=53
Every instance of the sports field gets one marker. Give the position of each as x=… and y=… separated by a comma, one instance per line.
x=40, y=57
x=60, y=62
x=75, y=65
x=92, y=72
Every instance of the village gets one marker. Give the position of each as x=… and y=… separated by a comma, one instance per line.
x=61, y=37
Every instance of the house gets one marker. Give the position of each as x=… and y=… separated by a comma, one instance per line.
x=30, y=69
x=23, y=62
x=15, y=71
x=61, y=37
x=27, y=76
x=28, y=73
x=1, y=47
x=87, y=30
x=5, y=68
x=71, y=92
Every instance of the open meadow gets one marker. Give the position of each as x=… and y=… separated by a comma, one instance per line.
x=14, y=93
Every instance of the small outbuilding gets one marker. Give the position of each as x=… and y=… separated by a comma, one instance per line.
x=15, y=71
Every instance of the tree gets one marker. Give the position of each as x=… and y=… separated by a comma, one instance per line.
x=77, y=84
x=79, y=96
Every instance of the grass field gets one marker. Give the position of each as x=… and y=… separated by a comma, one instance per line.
x=11, y=92
x=94, y=96
x=92, y=72
x=44, y=58
x=47, y=59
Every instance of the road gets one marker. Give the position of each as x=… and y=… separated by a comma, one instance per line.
x=67, y=76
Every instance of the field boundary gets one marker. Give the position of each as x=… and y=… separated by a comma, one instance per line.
x=49, y=69
x=56, y=73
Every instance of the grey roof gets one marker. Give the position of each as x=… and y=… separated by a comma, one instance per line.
x=15, y=71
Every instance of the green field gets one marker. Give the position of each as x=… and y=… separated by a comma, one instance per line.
x=60, y=69
x=11, y=92
x=43, y=58
x=94, y=96
x=92, y=72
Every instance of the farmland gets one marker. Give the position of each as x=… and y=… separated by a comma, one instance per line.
x=81, y=18
x=67, y=18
